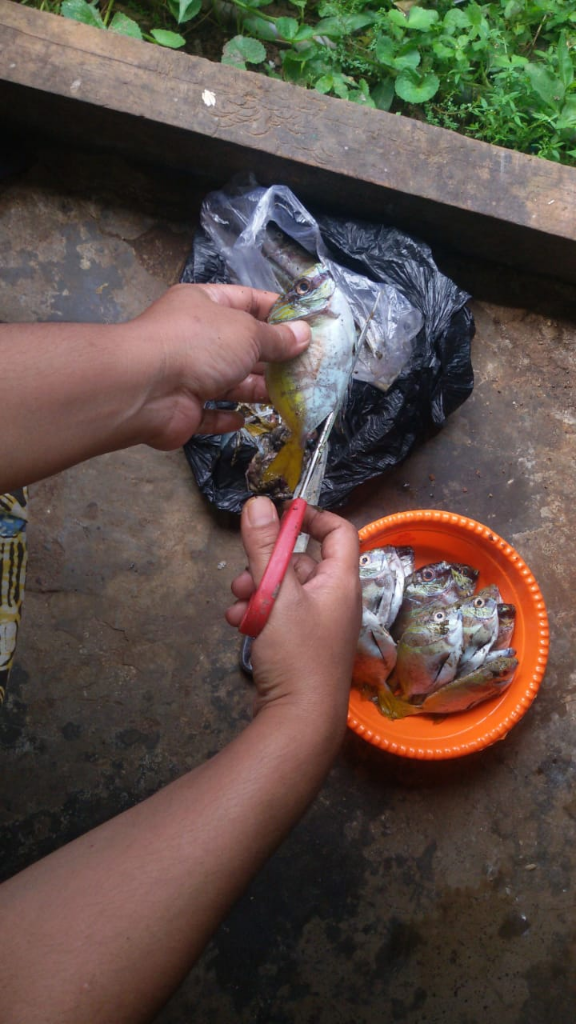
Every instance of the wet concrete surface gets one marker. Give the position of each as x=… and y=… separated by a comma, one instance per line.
x=411, y=891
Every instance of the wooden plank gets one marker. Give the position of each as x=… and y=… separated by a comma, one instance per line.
x=86, y=85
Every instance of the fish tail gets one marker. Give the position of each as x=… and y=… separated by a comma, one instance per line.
x=394, y=707
x=286, y=465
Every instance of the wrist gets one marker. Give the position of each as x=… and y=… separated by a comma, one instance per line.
x=305, y=723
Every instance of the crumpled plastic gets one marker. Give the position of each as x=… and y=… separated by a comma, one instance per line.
x=415, y=365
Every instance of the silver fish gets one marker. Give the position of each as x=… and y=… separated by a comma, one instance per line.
x=382, y=575
x=306, y=389
x=490, y=680
x=428, y=652
x=376, y=652
x=479, y=629
x=442, y=583
x=506, y=624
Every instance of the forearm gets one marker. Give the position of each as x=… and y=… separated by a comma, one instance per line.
x=69, y=391
x=107, y=927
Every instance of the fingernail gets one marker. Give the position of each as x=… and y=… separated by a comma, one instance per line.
x=260, y=511
x=301, y=331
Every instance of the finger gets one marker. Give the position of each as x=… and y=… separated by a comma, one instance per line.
x=252, y=389
x=260, y=527
x=235, y=613
x=338, y=539
x=236, y=296
x=219, y=421
x=243, y=586
x=276, y=342
x=304, y=567
x=279, y=342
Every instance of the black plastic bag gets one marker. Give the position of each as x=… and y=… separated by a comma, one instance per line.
x=423, y=326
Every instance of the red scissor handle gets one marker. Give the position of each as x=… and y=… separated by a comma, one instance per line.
x=262, y=600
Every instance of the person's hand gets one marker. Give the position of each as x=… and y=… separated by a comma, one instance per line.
x=208, y=342
x=305, y=653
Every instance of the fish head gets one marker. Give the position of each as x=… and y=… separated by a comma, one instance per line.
x=309, y=296
x=465, y=578
x=437, y=626
x=373, y=563
x=429, y=582
x=480, y=608
x=491, y=591
x=507, y=615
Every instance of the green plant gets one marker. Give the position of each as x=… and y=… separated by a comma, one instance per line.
x=104, y=16
x=501, y=71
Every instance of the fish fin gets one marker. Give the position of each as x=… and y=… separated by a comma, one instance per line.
x=394, y=707
x=286, y=465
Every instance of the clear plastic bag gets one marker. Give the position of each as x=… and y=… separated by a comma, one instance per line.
x=414, y=367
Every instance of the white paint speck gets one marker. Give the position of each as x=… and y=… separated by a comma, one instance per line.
x=221, y=565
x=75, y=85
x=209, y=98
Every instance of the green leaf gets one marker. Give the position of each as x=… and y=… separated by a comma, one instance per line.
x=454, y=21
x=242, y=50
x=383, y=94
x=410, y=59
x=385, y=49
x=415, y=88
x=261, y=28
x=546, y=85
x=188, y=9
x=441, y=50
x=184, y=10
x=170, y=39
x=79, y=10
x=324, y=84
x=397, y=18
x=287, y=27
x=340, y=87
x=421, y=19
x=304, y=32
x=567, y=118
x=338, y=27
x=565, y=65
x=125, y=26
x=293, y=66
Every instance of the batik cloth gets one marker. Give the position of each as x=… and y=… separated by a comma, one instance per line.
x=13, y=557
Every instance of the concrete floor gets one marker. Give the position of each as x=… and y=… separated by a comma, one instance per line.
x=413, y=892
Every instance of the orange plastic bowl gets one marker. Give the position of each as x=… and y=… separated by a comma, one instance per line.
x=436, y=535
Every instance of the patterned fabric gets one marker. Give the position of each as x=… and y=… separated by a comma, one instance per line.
x=13, y=557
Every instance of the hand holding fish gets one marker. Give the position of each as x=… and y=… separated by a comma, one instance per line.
x=96, y=388
x=214, y=340
x=303, y=658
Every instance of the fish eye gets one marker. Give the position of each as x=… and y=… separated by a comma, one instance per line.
x=479, y=602
x=439, y=616
x=428, y=575
x=364, y=559
x=302, y=287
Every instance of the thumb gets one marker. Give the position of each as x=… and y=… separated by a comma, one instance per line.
x=260, y=526
x=278, y=342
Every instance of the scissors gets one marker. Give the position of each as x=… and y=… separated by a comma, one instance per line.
x=262, y=601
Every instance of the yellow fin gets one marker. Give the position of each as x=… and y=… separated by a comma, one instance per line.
x=394, y=707
x=286, y=465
